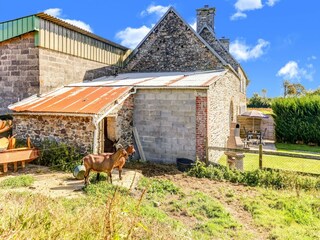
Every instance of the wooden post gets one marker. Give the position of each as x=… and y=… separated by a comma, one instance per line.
x=15, y=166
x=5, y=167
x=260, y=156
x=207, y=152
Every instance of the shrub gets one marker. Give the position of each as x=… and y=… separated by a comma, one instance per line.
x=297, y=119
x=277, y=179
x=59, y=156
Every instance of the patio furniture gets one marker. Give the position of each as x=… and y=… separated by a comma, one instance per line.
x=248, y=134
x=262, y=136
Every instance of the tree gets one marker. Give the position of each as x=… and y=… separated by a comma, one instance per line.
x=264, y=92
x=256, y=101
x=293, y=89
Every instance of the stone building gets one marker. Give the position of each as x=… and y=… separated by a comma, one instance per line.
x=39, y=53
x=180, y=90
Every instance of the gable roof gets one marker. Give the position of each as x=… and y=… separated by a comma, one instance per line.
x=233, y=62
x=171, y=9
x=16, y=27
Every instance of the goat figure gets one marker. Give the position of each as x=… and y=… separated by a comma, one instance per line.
x=103, y=163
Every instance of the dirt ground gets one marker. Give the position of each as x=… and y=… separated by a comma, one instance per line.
x=61, y=184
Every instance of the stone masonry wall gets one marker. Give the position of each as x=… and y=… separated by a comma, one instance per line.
x=166, y=122
x=60, y=69
x=218, y=47
x=19, y=70
x=221, y=94
x=124, y=121
x=77, y=131
x=172, y=46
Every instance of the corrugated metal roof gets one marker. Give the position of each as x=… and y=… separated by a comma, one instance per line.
x=79, y=100
x=158, y=80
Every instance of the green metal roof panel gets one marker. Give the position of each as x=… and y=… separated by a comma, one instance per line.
x=17, y=27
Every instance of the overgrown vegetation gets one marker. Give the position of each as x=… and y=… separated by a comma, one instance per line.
x=18, y=181
x=297, y=119
x=286, y=215
x=59, y=156
x=276, y=179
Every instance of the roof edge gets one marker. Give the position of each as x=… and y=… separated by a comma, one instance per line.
x=134, y=52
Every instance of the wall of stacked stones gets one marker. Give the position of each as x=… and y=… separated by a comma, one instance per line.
x=124, y=121
x=166, y=122
x=172, y=46
x=220, y=95
x=19, y=70
x=75, y=131
x=60, y=69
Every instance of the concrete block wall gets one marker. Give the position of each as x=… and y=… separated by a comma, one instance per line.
x=59, y=69
x=166, y=122
x=76, y=131
x=220, y=96
x=19, y=70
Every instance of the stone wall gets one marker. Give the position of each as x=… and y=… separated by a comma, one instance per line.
x=77, y=131
x=124, y=121
x=172, y=46
x=218, y=47
x=59, y=69
x=19, y=70
x=223, y=95
x=166, y=122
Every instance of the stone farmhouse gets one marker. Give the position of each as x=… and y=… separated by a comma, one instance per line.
x=178, y=91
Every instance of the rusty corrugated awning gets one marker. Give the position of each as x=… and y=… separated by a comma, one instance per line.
x=76, y=100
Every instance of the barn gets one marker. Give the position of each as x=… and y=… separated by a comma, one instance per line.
x=178, y=91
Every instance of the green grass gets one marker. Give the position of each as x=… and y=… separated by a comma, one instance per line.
x=286, y=215
x=297, y=148
x=16, y=182
x=251, y=162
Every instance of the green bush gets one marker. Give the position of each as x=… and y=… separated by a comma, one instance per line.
x=276, y=179
x=297, y=119
x=59, y=156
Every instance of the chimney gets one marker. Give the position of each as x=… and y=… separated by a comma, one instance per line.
x=205, y=15
x=225, y=42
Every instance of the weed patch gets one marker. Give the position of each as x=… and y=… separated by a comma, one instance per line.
x=19, y=181
x=276, y=179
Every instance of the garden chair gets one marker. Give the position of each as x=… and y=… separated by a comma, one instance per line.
x=262, y=136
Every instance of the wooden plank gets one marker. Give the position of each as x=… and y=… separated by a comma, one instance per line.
x=16, y=155
x=137, y=139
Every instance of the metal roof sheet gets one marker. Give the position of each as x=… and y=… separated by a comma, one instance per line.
x=158, y=80
x=79, y=100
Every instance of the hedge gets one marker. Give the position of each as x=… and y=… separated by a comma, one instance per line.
x=297, y=119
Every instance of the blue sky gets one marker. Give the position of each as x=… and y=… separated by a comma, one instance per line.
x=272, y=39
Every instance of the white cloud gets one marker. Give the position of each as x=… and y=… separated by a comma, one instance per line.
x=131, y=37
x=271, y=2
x=312, y=58
x=246, y=5
x=292, y=71
x=56, y=12
x=243, y=52
x=238, y=15
x=194, y=25
x=159, y=10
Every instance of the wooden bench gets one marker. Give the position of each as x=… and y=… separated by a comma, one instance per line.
x=23, y=155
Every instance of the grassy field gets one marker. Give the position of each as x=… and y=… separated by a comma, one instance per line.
x=251, y=162
x=172, y=206
x=287, y=147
